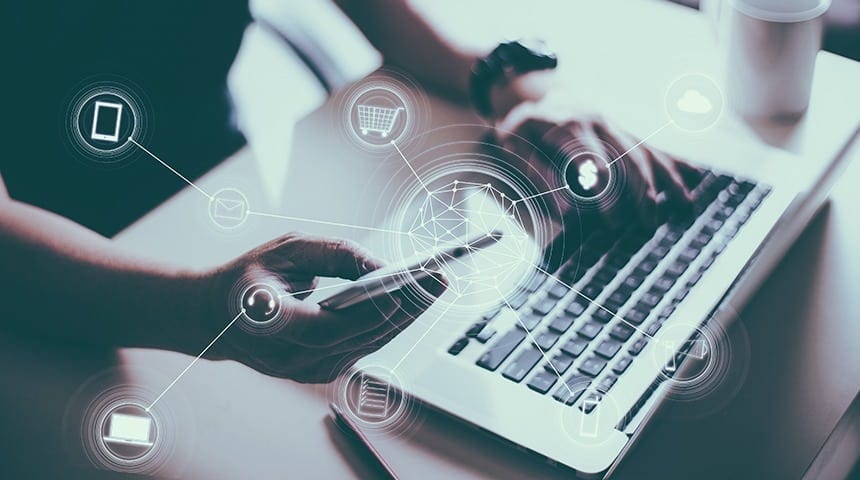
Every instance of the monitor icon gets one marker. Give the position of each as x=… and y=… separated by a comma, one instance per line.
x=128, y=429
x=107, y=117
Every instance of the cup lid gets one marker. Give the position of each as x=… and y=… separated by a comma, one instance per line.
x=782, y=10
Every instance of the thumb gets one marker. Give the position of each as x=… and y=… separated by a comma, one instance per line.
x=327, y=257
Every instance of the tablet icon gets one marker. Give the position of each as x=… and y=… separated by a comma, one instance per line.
x=107, y=118
x=228, y=208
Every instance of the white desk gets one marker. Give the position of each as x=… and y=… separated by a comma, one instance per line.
x=801, y=328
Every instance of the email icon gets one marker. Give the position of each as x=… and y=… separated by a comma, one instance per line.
x=228, y=208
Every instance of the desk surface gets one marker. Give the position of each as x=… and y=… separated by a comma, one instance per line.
x=793, y=375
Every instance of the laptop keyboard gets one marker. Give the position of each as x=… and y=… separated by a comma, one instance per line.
x=625, y=292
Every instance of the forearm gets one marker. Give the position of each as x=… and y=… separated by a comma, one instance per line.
x=65, y=281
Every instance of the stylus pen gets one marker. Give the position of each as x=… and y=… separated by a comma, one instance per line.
x=355, y=433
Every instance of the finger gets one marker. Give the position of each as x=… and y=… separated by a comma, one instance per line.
x=327, y=257
x=300, y=286
x=313, y=326
x=669, y=180
x=640, y=191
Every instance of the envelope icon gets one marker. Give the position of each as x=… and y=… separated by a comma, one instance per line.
x=228, y=209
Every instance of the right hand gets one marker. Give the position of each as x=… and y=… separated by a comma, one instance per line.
x=314, y=345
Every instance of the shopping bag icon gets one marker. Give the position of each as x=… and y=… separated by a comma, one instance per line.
x=228, y=209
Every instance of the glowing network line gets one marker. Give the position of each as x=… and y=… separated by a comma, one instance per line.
x=670, y=122
x=242, y=312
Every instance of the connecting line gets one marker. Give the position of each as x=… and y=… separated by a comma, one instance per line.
x=450, y=304
x=323, y=222
x=640, y=143
x=540, y=194
x=534, y=342
x=410, y=167
x=195, y=360
x=189, y=182
x=592, y=301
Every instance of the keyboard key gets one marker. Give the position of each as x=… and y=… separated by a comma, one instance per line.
x=589, y=330
x=543, y=381
x=621, y=332
x=592, y=290
x=485, y=335
x=529, y=321
x=663, y=284
x=475, y=329
x=689, y=254
x=522, y=364
x=492, y=314
x=517, y=301
x=458, y=346
x=559, y=363
x=608, y=348
x=590, y=402
x=637, y=346
x=638, y=314
x=620, y=297
x=535, y=282
x=676, y=269
x=654, y=327
x=543, y=306
x=557, y=291
x=605, y=274
x=602, y=316
x=592, y=366
x=574, y=347
x=645, y=267
x=622, y=364
x=571, y=389
x=499, y=351
x=633, y=282
x=606, y=383
x=651, y=298
x=561, y=323
x=546, y=339
x=659, y=251
x=577, y=306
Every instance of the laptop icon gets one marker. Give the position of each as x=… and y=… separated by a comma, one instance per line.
x=129, y=430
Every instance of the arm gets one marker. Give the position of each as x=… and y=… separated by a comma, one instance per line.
x=407, y=40
x=65, y=281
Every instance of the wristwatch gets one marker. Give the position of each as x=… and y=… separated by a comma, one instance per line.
x=505, y=62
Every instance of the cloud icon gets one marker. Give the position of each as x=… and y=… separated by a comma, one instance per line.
x=692, y=101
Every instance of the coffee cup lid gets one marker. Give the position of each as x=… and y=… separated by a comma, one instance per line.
x=782, y=10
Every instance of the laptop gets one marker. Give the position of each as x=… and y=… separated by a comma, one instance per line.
x=575, y=365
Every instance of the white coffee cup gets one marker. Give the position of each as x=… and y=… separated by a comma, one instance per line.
x=768, y=50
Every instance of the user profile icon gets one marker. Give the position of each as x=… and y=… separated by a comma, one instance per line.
x=588, y=175
x=261, y=303
x=694, y=102
x=228, y=208
x=128, y=432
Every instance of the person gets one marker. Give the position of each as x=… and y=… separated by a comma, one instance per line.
x=67, y=281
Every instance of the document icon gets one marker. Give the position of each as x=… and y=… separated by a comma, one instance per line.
x=374, y=397
x=129, y=430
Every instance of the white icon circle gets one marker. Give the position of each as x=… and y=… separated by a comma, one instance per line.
x=228, y=208
x=588, y=175
x=374, y=396
x=127, y=433
x=694, y=102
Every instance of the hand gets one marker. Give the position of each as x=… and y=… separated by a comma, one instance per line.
x=656, y=184
x=313, y=345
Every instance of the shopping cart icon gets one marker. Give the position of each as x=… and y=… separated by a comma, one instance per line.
x=377, y=119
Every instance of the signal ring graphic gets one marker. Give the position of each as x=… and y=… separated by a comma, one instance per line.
x=588, y=175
